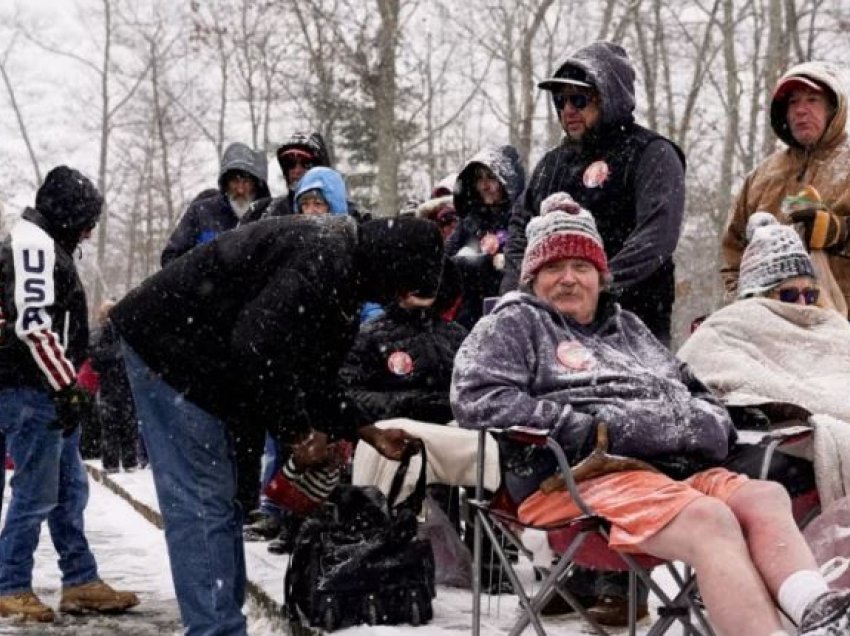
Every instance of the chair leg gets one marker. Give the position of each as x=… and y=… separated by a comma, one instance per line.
x=476, y=575
x=632, y=603
x=530, y=614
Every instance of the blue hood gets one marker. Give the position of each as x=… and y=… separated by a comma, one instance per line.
x=330, y=182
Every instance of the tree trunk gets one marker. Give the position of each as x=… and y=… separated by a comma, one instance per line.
x=104, y=147
x=730, y=137
x=385, y=109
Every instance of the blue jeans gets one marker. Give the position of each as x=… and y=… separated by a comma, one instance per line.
x=49, y=483
x=193, y=462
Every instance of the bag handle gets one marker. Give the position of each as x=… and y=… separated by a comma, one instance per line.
x=416, y=498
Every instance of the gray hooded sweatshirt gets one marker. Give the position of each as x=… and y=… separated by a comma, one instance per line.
x=527, y=364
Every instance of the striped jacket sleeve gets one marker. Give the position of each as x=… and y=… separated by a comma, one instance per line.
x=34, y=256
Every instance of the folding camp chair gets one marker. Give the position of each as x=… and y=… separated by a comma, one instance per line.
x=795, y=474
x=582, y=541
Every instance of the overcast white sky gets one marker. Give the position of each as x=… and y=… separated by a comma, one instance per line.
x=50, y=90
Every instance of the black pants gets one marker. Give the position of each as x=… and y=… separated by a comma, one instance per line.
x=119, y=428
x=249, y=443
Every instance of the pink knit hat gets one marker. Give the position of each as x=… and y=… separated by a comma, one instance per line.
x=567, y=232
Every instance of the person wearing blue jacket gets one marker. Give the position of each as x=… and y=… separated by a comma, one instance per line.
x=321, y=191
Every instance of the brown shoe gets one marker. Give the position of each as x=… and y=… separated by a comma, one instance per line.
x=614, y=611
x=96, y=596
x=27, y=606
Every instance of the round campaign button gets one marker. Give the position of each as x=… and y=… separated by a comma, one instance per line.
x=596, y=174
x=575, y=356
x=400, y=363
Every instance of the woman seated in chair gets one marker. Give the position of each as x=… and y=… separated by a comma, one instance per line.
x=777, y=347
x=561, y=355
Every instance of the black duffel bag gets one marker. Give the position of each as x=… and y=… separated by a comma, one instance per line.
x=357, y=559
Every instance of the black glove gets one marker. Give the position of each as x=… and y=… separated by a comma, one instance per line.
x=73, y=406
x=823, y=230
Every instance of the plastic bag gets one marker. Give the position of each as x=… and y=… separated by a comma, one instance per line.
x=452, y=559
x=828, y=537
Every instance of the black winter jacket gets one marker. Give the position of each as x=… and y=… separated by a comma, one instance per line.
x=44, y=329
x=639, y=206
x=401, y=366
x=480, y=275
x=105, y=353
x=253, y=326
x=210, y=213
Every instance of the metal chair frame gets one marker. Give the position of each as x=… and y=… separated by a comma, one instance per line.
x=683, y=607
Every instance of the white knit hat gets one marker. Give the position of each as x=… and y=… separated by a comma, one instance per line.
x=774, y=253
x=562, y=234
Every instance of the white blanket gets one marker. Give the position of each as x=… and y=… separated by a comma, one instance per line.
x=451, y=452
x=760, y=351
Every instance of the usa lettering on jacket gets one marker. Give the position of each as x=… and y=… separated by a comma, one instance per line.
x=35, y=260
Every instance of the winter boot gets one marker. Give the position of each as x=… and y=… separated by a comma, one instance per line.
x=263, y=529
x=26, y=606
x=96, y=596
x=613, y=611
x=285, y=541
x=828, y=615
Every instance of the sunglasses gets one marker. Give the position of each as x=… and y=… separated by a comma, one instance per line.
x=792, y=295
x=579, y=101
x=290, y=162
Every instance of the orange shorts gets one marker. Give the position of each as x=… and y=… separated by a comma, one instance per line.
x=638, y=503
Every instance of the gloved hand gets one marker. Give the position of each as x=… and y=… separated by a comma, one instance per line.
x=823, y=230
x=73, y=405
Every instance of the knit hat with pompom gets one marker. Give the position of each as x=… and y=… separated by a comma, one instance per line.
x=564, y=230
x=774, y=253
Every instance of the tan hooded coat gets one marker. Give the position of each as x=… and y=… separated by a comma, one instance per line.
x=826, y=166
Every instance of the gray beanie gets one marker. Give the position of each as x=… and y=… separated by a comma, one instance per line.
x=774, y=253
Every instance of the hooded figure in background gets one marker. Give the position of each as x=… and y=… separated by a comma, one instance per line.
x=301, y=153
x=44, y=335
x=242, y=179
x=247, y=334
x=326, y=187
x=484, y=192
x=632, y=179
x=808, y=112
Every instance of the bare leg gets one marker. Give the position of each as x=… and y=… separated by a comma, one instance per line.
x=707, y=536
x=777, y=547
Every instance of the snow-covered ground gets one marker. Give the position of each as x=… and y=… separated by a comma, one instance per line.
x=131, y=554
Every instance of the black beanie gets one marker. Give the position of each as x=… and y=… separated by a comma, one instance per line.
x=399, y=255
x=68, y=201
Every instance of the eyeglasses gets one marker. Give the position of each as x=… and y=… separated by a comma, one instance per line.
x=578, y=100
x=235, y=176
x=792, y=295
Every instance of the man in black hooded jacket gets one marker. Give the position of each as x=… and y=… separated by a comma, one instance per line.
x=243, y=334
x=632, y=179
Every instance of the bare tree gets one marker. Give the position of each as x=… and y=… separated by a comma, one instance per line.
x=19, y=116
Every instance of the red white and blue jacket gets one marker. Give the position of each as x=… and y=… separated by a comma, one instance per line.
x=43, y=322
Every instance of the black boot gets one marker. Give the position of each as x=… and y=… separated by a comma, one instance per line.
x=285, y=540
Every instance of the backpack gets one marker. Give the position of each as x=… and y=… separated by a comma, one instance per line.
x=358, y=560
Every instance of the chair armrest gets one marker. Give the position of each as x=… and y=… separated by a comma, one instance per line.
x=541, y=438
x=522, y=435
